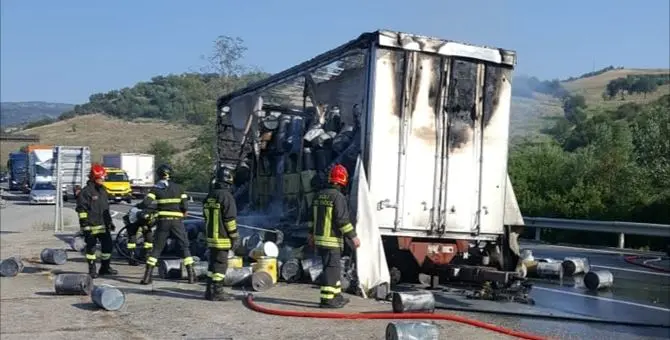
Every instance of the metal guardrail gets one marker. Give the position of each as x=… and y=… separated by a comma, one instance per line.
x=539, y=223
x=621, y=228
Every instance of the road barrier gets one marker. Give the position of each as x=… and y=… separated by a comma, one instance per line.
x=539, y=223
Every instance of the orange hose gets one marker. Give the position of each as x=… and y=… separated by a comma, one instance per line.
x=387, y=315
x=631, y=260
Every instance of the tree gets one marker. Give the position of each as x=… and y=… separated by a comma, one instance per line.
x=162, y=151
x=573, y=108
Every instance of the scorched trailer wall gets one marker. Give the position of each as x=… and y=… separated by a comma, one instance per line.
x=434, y=121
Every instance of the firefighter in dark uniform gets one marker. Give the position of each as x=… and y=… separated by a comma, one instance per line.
x=95, y=221
x=220, y=214
x=330, y=224
x=169, y=202
x=140, y=221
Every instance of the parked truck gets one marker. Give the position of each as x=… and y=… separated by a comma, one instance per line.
x=17, y=170
x=139, y=167
x=426, y=120
x=40, y=165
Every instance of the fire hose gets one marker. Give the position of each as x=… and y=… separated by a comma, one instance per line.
x=634, y=260
x=249, y=301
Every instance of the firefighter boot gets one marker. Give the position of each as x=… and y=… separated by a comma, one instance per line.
x=191, y=274
x=106, y=269
x=148, y=271
x=218, y=294
x=91, y=269
x=208, y=290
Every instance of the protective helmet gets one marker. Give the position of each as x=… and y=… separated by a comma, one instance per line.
x=97, y=172
x=224, y=175
x=338, y=175
x=164, y=171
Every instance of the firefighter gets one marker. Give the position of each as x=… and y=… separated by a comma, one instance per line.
x=168, y=201
x=141, y=221
x=220, y=214
x=95, y=221
x=330, y=224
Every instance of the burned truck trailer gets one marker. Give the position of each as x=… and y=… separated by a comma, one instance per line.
x=426, y=120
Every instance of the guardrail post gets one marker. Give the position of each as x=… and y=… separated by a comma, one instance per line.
x=622, y=240
x=538, y=232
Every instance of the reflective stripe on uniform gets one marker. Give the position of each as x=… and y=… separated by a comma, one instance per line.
x=132, y=246
x=151, y=196
x=329, y=292
x=216, y=277
x=323, y=227
x=170, y=214
x=148, y=245
x=184, y=196
x=188, y=261
x=151, y=261
x=346, y=228
x=169, y=201
x=212, y=213
x=83, y=215
x=91, y=257
x=105, y=256
x=95, y=229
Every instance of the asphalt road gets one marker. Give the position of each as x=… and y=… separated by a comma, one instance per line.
x=638, y=295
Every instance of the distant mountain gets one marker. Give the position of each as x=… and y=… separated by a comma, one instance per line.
x=19, y=113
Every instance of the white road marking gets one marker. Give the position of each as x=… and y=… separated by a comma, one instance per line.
x=632, y=270
x=603, y=299
x=604, y=251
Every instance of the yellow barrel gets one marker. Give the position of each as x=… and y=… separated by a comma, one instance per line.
x=266, y=264
x=235, y=262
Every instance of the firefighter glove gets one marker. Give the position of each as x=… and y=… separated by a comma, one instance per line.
x=111, y=227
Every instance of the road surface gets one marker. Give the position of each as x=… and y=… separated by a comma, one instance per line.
x=639, y=295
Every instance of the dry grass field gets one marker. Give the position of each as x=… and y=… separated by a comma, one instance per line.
x=105, y=134
x=592, y=87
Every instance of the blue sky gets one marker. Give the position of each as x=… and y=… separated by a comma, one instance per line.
x=63, y=51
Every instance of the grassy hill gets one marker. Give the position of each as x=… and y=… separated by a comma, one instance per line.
x=19, y=113
x=529, y=115
x=592, y=88
x=105, y=134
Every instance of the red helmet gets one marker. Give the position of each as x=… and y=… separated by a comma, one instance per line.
x=338, y=175
x=97, y=172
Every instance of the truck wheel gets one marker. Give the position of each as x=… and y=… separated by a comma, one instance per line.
x=129, y=200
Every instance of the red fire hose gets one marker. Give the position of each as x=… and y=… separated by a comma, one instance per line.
x=381, y=316
x=633, y=259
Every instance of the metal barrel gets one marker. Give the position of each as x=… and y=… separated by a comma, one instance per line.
x=549, y=270
x=312, y=266
x=235, y=262
x=599, y=279
x=170, y=269
x=412, y=331
x=108, y=297
x=237, y=276
x=291, y=270
x=77, y=244
x=575, y=265
x=201, y=268
x=267, y=264
x=53, y=256
x=11, y=266
x=261, y=281
x=267, y=249
x=73, y=284
x=413, y=302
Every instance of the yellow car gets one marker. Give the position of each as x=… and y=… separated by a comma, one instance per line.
x=117, y=185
